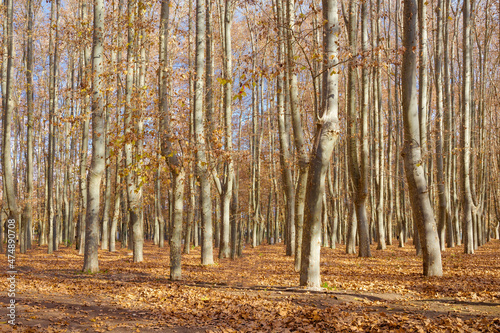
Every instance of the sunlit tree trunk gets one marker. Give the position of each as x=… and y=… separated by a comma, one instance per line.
x=98, y=164
x=28, y=209
x=85, y=59
x=465, y=135
x=133, y=193
x=53, y=59
x=379, y=137
x=228, y=177
x=199, y=132
x=327, y=135
x=441, y=181
x=284, y=139
x=447, y=110
x=359, y=170
x=298, y=134
x=107, y=191
x=116, y=203
x=8, y=108
x=168, y=151
x=419, y=197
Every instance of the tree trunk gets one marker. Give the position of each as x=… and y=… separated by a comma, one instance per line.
x=8, y=177
x=133, y=193
x=419, y=197
x=84, y=63
x=173, y=159
x=465, y=135
x=98, y=164
x=227, y=186
x=107, y=192
x=359, y=171
x=379, y=139
x=298, y=134
x=442, y=191
x=28, y=209
x=199, y=131
x=327, y=133
x=285, y=158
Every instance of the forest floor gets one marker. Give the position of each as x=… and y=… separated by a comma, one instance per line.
x=257, y=292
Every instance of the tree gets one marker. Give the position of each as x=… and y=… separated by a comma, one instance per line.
x=417, y=185
x=28, y=209
x=284, y=138
x=8, y=95
x=465, y=135
x=441, y=181
x=133, y=192
x=199, y=132
x=298, y=134
x=327, y=133
x=98, y=164
x=228, y=177
x=358, y=170
x=172, y=156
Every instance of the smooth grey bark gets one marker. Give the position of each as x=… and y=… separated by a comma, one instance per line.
x=379, y=139
x=423, y=77
x=133, y=193
x=116, y=204
x=359, y=171
x=465, y=135
x=28, y=209
x=53, y=48
x=98, y=162
x=171, y=155
x=118, y=160
x=327, y=134
x=85, y=60
x=228, y=178
x=8, y=95
x=417, y=185
x=107, y=191
x=298, y=134
x=447, y=118
x=284, y=140
x=200, y=141
x=441, y=181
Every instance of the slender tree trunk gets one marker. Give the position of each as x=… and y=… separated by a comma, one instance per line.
x=28, y=209
x=172, y=157
x=98, y=164
x=107, y=192
x=285, y=158
x=421, y=206
x=327, y=135
x=442, y=191
x=465, y=136
x=84, y=62
x=53, y=48
x=133, y=193
x=8, y=96
x=116, y=204
x=227, y=187
x=200, y=141
x=298, y=134
x=359, y=170
x=379, y=146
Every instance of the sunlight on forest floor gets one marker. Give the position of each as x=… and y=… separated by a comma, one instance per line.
x=258, y=292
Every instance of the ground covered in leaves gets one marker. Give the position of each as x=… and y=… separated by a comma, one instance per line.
x=256, y=293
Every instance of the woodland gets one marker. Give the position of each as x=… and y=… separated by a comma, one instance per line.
x=250, y=165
